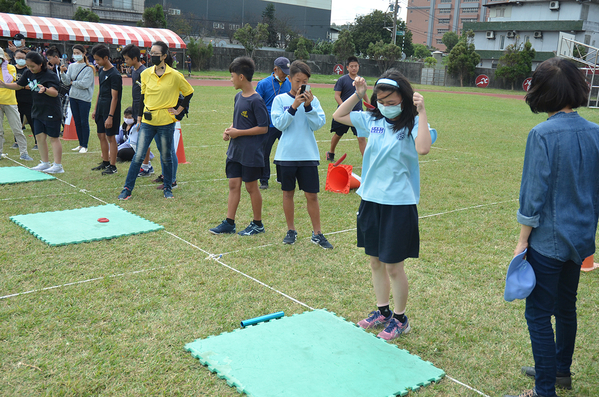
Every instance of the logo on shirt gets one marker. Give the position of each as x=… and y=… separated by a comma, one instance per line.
x=285, y=108
x=244, y=114
x=377, y=130
x=401, y=135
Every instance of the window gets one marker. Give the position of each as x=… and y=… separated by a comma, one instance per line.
x=121, y=4
x=468, y=20
x=501, y=42
x=218, y=25
x=441, y=31
x=444, y=20
x=526, y=38
x=444, y=11
x=500, y=12
x=469, y=1
x=469, y=10
x=439, y=41
x=445, y=1
x=233, y=26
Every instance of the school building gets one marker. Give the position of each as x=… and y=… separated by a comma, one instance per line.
x=118, y=12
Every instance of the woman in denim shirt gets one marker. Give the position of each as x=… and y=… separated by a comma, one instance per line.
x=558, y=213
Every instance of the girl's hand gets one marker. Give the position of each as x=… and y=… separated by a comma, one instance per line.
x=520, y=247
x=361, y=86
x=419, y=102
x=42, y=89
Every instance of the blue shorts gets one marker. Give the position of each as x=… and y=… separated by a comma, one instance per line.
x=306, y=176
x=389, y=232
x=234, y=169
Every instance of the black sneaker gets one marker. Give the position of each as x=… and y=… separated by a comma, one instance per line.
x=330, y=156
x=101, y=167
x=160, y=179
x=321, y=240
x=264, y=185
x=291, y=237
x=562, y=380
x=111, y=169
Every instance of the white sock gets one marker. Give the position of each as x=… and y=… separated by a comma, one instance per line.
x=145, y=167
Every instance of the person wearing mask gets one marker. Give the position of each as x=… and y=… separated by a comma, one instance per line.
x=8, y=106
x=24, y=100
x=79, y=76
x=54, y=58
x=18, y=43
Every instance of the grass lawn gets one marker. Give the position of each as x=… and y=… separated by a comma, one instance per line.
x=120, y=328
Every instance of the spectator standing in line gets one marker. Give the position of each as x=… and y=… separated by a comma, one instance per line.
x=24, y=99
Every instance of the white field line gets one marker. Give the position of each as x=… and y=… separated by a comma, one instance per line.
x=216, y=258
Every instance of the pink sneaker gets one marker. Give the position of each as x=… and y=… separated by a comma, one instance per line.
x=395, y=329
x=375, y=320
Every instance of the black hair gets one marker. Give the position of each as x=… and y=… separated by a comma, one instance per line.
x=101, y=51
x=244, y=66
x=299, y=67
x=38, y=59
x=409, y=112
x=164, y=49
x=352, y=59
x=129, y=110
x=21, y=51
x=53, y=52
x=132, y=51
x=556, y=84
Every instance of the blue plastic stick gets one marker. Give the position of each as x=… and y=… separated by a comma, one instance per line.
x=256, y=320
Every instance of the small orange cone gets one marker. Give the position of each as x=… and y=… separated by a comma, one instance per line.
x=70, y=132
x=179, y=144
x=340, y=178
x=589, y=265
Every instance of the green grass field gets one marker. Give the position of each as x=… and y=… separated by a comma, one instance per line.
x=123, y=309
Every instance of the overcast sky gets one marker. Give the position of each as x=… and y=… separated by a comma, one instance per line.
x=344, y=11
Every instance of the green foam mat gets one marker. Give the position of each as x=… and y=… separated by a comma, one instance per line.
x=82, y=225
x=10, y=175
x=312, y=354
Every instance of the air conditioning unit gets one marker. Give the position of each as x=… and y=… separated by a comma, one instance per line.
x=538, y=34
x=490, y=34
x=554, y=5
x=511, y=34
x=174, y=11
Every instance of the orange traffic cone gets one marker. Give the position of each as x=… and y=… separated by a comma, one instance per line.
x=340, y=178
x=589, y=265
x=70, y=132
x=179, y=144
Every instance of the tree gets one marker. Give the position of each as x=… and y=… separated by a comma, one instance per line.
x=302, y=48
x=462, y=59
x=251, y=38
x=430, y=62
x=268, y=17
x=450, y=39
x=153, y=17
x=385, y=54
x=323, y=47
x=15, y=7
x=344, y=47
x=293, y=44
x=179, y=24
x=421, y=52
x=199, y=52
x=85, y=14
x=516, y=62
x=370, y=28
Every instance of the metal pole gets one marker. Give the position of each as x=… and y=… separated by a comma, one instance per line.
x=395, y=22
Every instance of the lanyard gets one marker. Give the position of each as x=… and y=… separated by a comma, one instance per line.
x=273, y=85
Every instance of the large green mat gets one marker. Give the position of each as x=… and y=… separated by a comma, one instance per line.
x=21, y=174
x=82, y=225
x=312, y=354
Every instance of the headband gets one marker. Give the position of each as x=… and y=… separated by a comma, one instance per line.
x=387, y=81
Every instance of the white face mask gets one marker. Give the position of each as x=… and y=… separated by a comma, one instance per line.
x=17, y=43
x=20, y=62
x=129, y=121
x=390, y=112
x=78, y=57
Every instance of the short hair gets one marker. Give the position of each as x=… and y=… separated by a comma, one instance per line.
x=244, y=66
x=19, y=50
x=132, y=51
x=557, y=83
x=53, y=52
x=352, y=59
x=38, y=59
x=299, y=67
x=129, y=109
x=403, y=88
x=101, y=51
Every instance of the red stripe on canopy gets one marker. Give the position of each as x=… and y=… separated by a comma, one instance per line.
x=67, y=30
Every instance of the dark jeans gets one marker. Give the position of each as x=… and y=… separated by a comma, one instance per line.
x=80, y=110
x=554, y=294
x=271, y=136
x=164, y=141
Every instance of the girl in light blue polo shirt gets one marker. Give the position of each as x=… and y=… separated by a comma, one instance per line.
x=397, y=132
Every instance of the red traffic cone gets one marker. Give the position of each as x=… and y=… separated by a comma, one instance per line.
x=179, y=144
x=340, y=178
x=70, y=132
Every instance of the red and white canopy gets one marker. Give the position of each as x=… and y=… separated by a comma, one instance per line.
x=44, y=28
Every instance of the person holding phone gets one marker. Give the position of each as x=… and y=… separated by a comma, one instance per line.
x=297, y=114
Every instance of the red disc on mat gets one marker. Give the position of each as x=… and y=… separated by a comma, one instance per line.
x=103, y=220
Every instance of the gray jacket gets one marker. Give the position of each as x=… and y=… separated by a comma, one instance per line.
x=82, y=84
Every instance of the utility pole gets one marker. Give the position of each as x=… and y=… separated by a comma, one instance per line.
x=395, y=21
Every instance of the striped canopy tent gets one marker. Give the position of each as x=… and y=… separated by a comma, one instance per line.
x=42, y=28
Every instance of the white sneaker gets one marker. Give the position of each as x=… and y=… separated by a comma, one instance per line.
x=83, y=150
x=76, y=149
x=41, y=166
x=55, y=169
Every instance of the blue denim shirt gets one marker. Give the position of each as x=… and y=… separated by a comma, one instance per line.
x=559, y=195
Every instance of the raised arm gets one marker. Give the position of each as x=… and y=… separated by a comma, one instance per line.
x=342, y=113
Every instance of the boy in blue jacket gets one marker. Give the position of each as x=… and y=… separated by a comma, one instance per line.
x=298, y=114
